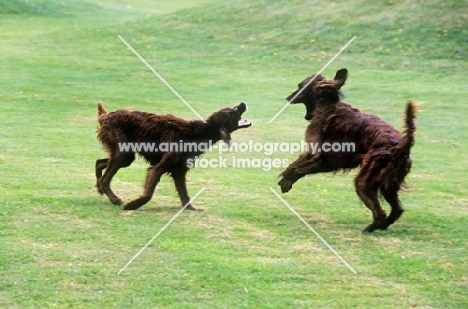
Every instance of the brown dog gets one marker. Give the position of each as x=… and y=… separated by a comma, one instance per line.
x=382, y=152
x=123, y=127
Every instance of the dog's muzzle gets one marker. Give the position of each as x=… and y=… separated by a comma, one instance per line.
x=242, y=108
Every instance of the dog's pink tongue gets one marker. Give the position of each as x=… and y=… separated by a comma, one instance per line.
x=244, y=123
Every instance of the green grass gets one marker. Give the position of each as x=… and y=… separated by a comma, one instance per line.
x=62, y=244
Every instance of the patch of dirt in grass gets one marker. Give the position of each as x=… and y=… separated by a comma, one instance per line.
x=306, y=247
x=463, y=209
x=217, y=228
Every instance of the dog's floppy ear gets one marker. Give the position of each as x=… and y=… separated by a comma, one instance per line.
x=225, y=136
x=340, y=78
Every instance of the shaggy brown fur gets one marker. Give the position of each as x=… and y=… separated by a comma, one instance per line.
x=382, y=152
x=125, y=126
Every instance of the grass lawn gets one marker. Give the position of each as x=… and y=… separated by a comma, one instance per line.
x=62, y=244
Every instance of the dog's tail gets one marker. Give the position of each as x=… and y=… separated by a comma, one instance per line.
x=410, y=128
x=101, y=112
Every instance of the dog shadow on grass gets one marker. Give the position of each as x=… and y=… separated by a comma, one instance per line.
x=166, y=208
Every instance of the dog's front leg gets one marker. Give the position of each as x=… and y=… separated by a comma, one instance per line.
x=152, y=179
x=307, y=163
x=180, y=184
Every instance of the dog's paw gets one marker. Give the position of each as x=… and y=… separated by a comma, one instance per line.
x=369, y=229
x=98, y=188
x=285, y=185
x=129, y=206
x=190, y=207
x=116, y=201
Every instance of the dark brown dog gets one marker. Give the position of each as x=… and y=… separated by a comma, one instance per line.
x=123, y=127
x=382, y=152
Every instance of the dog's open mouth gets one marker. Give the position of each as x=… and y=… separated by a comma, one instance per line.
x=244, y=123
x=242, y=108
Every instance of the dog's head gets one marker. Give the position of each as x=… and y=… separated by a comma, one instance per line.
x=228, y=120
x=316, y=87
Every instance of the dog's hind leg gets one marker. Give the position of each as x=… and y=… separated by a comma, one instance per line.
x=101, y=164
x=367, y=190
x=370, y=199
x=392, y=198
x=115, y=162
x=180, y=184
x=392, y=184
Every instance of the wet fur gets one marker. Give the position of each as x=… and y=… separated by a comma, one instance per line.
x=382, y=152
x=124, y=126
